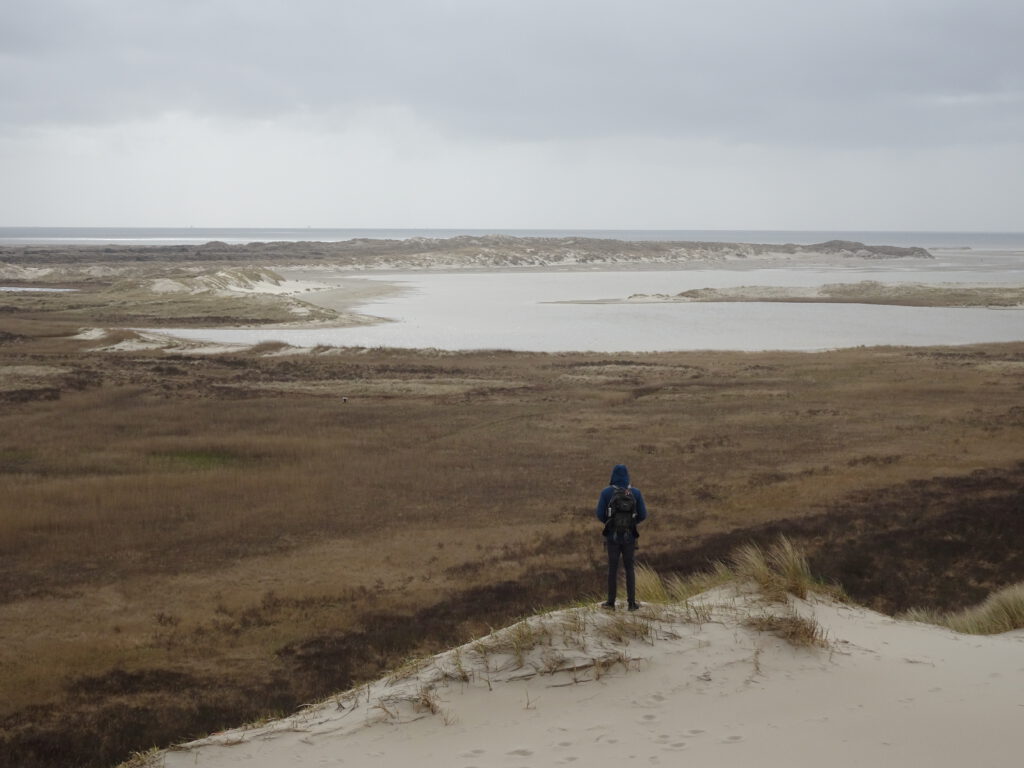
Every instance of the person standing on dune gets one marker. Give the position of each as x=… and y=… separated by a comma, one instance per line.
x=621, y=508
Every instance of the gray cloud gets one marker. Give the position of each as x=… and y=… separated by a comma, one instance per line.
x=874, y=114
x=864, y=74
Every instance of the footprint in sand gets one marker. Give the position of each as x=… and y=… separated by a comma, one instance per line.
x=520, y=752
x=695, y=732
x=473, y=753
x=732, y=739
x=649, y=718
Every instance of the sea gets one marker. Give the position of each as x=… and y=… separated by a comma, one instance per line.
x=989, y=241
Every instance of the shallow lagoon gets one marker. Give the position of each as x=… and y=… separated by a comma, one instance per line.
x=514, y=310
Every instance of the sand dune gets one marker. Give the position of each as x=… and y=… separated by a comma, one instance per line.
x=482, y=252
x=686, y=683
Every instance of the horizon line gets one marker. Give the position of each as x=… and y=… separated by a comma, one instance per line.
x=513, y=229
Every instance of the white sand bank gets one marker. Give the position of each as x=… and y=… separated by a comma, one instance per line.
x=717, y=693
x=231, y=282
x=864, y=292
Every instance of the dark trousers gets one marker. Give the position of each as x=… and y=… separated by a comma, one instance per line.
x=621, y=549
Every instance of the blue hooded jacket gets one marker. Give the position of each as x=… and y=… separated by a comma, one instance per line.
x=620, y=478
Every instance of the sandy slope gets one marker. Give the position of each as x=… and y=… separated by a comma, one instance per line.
x=714, y=693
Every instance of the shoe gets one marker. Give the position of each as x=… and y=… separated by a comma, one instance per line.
x=608, y=606
x=634, y=606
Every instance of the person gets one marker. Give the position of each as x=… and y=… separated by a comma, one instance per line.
x=620, y=540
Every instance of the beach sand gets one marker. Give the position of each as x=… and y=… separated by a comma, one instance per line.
x=698, y=689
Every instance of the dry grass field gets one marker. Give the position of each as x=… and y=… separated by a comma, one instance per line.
x=191, y=542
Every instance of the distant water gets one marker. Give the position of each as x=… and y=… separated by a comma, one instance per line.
x=490, y=310
x=196, y=235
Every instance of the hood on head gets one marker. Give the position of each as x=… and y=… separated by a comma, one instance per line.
x=620, y=476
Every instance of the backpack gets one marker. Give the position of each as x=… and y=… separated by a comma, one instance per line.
x=621, y=511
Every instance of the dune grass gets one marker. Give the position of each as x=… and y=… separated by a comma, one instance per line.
x=777, y=572
x=150, y=758
x=1002, y=611
x=780, y=571
x=798, y=631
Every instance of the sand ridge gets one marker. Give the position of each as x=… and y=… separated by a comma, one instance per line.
x=487, y=251
x=863, y=292
x=687, y=681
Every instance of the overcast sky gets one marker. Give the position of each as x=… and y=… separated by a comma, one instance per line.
x=676, y=114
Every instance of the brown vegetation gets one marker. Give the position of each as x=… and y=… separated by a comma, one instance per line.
x=123, y=302
x=190, y=542
x=864, y=292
